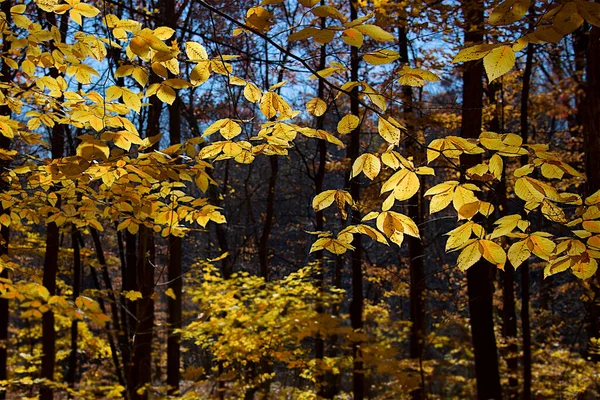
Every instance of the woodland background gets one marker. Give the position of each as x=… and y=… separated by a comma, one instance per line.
x=194, y=199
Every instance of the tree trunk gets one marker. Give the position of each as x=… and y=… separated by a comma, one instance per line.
x=72, y=373
x=4, y=230
x=591, y=135
x=322, y=379
x=174, y=275
x=415, y=246
x=356, y=304
x=142, y=343
x=479, y=276
x=129, y=283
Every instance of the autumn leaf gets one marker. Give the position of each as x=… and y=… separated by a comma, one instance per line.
x=498, y=62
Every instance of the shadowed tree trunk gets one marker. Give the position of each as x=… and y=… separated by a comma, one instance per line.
x=591, y=135
x=4, y=230
x=356, y=304
x=174, y=275
x=479, y=276
x=509, y=315
x=319, y=178
x=57, y=141
x=415, y=246
x=525, y=323
x=141, y=365
x=72, y=373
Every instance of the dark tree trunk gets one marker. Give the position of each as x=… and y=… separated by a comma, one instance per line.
x=263, y=244
x=111, y=342
x=591, y=135
x=322, y=379
x=356, y=304
x=114, y=309
x=141, y=364
x=129, y=283
x=525, y=294
x=174, y=275
x=4, y=230
x=72, y=373
x=141, y=368
x=415, y=246
x=57, y=142
x=509, y=316
x=479, y=276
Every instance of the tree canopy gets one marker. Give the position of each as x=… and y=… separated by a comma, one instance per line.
x=304, y=199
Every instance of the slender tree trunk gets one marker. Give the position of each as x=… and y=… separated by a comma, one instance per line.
x=111, y=342
x=141, y=365
x=322, y=379
x=356, y=304
x=57, y=141
x=175, y=279
x=114, y=309
x=142, y=342
x=415, y=246
x=591, y=134
x=509, y=316
x=129, y=283
x=525, y=294
x=72, y=373
x=174, y=275
x=4, y=230
x=479, y=276
x=263, y=244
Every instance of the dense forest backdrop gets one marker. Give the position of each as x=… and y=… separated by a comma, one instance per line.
x=306, y=199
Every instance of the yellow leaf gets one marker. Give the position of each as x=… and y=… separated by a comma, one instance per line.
x=380, y=57
x=169, y=292
x=518, y=253
x=585, y=268
x=493, y=252
x=200, y=73
x=440, y=201
x=18, y=9
x=389, y=131
x=375, y=32
x=468, y=256
x=404, y=183
x=499, y=61
x=131, y=100
x=166, y=94
x=591, y=226
x=463, y=196
x=323, y=200
x=416, y=77
x=347, y=124
x=368, y=164
x=541, y=246
x=252, y=93
x=267, y=105
x=508, y=12
x=458, y=237
x=496, y=166
x=353, y=37
x=328, y=11
x=316, y=107
x=92, y=149
x=527, y=189
x=195, y=51
x=133, y=295
x=553, y=212
x=140, y=75
x=230, y=130
x=474, y=52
